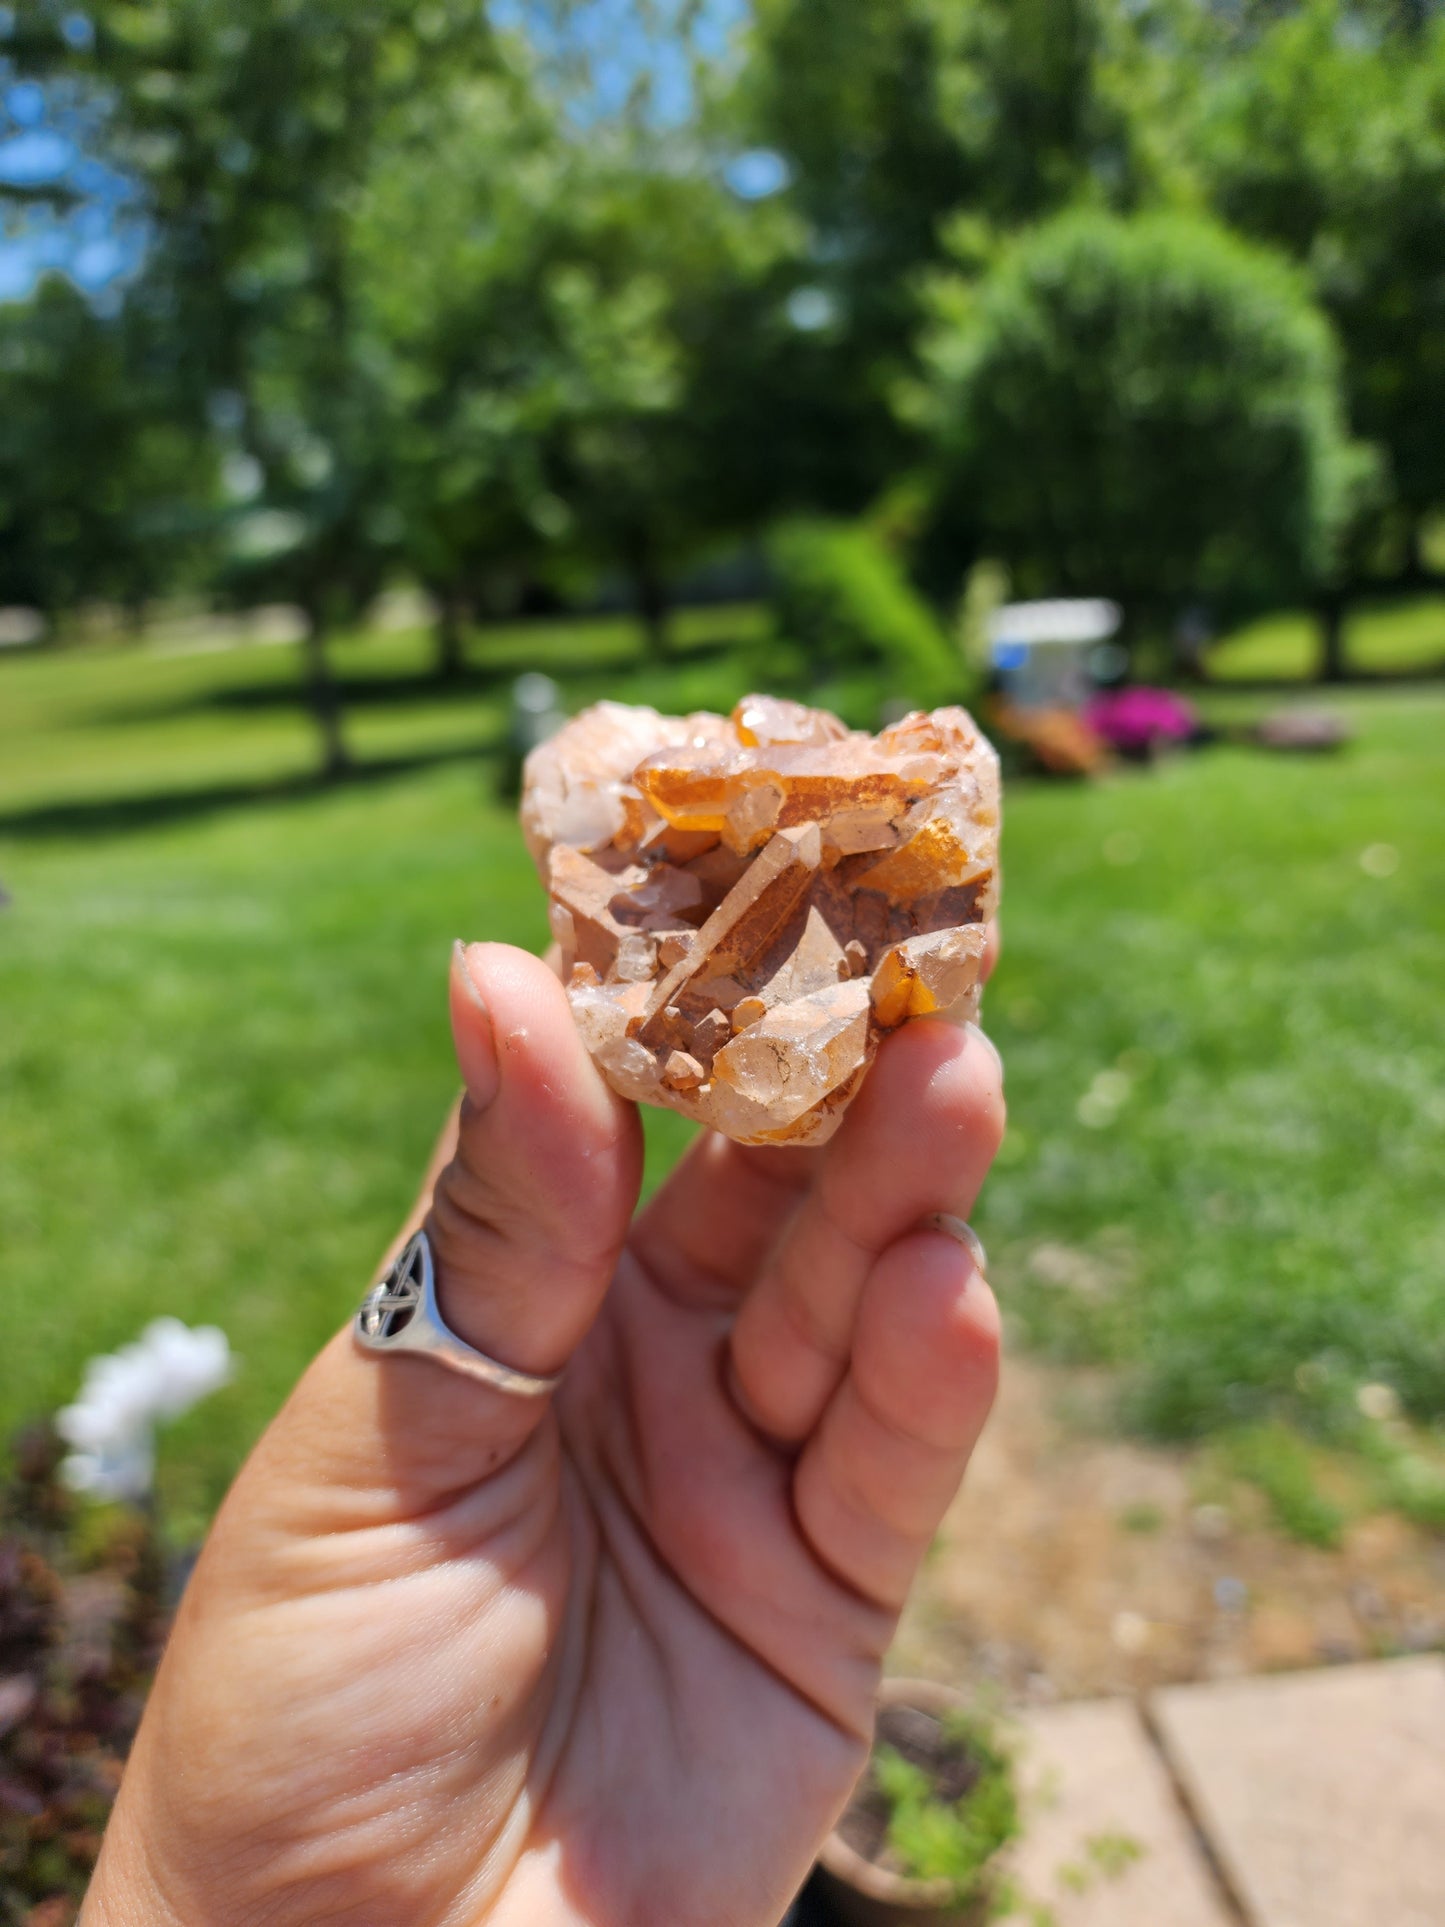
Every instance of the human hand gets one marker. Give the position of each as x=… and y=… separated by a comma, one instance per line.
x=609, y=1658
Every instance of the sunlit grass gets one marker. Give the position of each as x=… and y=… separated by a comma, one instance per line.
x=1219, y=1006
x=1397, y=638
x=223, y=1049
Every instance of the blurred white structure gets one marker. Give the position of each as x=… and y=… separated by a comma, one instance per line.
x=1045, y=652
x=536, y=711
x=125, y=1395
x=20, y=627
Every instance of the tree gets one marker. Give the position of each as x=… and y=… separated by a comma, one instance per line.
x=107, y=493
x=1325, y=135
x=1147, y=408
x=529, y=361
x=590, y=359
x=252, y=127
x=900, y=118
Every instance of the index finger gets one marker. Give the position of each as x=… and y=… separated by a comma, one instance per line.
x=713, y=1225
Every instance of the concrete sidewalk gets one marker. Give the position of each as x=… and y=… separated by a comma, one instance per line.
x=1289, y=1800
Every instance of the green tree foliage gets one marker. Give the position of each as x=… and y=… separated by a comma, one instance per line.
x=467, y=195
x=588, y=358
x=1325, y=135
x=895, y=113
x=431, y=305
x=251, y=127
x=1141, y=407
x=534, y=368
x=899, y=116
x=105, y=493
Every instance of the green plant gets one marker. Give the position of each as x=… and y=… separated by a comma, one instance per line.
x=1141, y=1517
x=1107, y=1856
x=1113, y=1853
x=1407, y=1477
x=1416, y=1488
x=839, y=596
x=953, y=1840
x=1278, y=1461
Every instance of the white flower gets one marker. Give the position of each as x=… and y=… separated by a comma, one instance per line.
x=125, y=1394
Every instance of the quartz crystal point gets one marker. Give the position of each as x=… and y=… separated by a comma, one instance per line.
x=745, y=905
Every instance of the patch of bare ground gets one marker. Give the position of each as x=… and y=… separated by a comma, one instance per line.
x=1075, y=1563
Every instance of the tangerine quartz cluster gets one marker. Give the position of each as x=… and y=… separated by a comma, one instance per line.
x=746, y=904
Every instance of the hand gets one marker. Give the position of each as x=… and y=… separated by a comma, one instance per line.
x=450, y=1656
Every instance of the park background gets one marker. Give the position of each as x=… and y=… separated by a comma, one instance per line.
x=359, y=356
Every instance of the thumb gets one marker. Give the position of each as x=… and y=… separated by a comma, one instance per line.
x=526, y=1221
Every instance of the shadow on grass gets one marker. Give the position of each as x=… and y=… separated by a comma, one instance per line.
x=1428, y=677
x=151, y=809
x=426, y=689
x=364, y=693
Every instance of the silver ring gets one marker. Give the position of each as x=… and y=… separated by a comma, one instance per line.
x=400, y=1314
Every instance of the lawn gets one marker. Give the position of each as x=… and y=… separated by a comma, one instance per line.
x=223, y=1049
x=1400, y=638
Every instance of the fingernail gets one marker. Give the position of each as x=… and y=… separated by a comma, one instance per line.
x=475, y=1038
x=964, y=1232
x=989, y=1045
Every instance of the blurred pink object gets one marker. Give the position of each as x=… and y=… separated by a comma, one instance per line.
x=1134, y=721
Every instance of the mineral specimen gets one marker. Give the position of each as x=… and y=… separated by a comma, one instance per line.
x=746, y=904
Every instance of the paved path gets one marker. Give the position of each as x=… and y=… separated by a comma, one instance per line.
x=1291, y=1800
x=1322, y=1794
x=1107, y=1842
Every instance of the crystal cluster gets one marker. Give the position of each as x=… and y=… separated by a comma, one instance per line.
x=746, y=904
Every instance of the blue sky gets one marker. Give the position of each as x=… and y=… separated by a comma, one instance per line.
x=620, y=42
x=96, y=236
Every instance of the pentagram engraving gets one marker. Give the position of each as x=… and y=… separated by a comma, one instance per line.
x=391, y=1305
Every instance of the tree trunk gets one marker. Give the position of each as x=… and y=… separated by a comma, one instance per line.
x=1332, y=637
x=1415, y=552
x=323, y=699
x=651, y=599
x=450, y=657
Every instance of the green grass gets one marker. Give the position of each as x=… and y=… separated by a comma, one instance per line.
x=1225, y=1074
x=1399, y=638
x=1279, y=1463
x=223, y=1049
x=110, y=723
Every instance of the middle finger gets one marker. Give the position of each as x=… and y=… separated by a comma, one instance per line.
x=918, y=1141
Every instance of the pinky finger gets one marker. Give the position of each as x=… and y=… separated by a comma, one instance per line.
x=883, y=1465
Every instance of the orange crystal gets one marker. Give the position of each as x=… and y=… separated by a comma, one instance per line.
x=745, y=905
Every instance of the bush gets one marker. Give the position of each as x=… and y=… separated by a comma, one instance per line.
x=841, y=599
x=1144, y=407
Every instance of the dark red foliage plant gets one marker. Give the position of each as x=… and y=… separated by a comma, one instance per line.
x=83, y=1616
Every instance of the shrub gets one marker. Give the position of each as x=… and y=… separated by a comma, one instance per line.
x=1144, y=407
x=1280, y=1464
x=842, y=600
